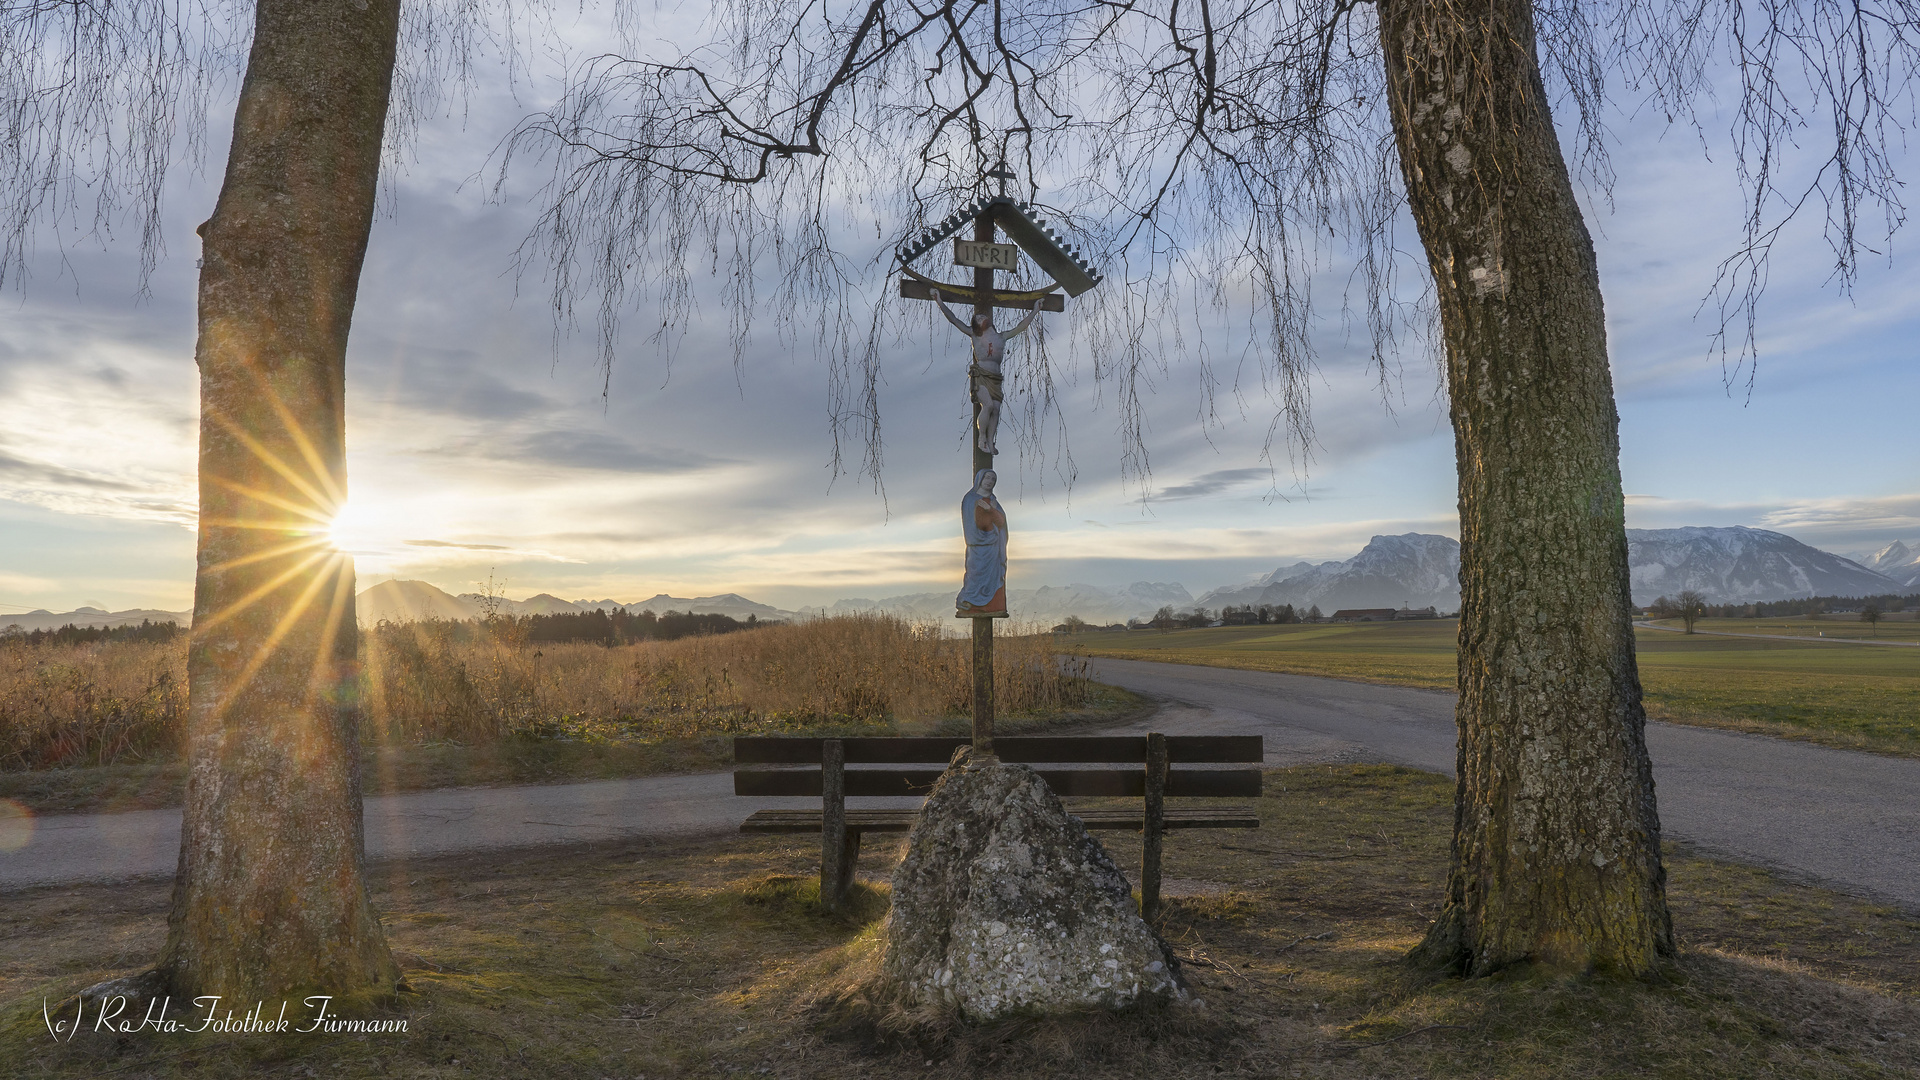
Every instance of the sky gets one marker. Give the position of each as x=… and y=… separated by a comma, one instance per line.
x=480, y=450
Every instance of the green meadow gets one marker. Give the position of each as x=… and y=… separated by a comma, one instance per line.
x=1830, y=691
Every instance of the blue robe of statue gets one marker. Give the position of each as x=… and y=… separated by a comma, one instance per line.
x=986, y=551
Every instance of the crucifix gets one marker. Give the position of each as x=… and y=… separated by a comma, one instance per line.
x=983, y=594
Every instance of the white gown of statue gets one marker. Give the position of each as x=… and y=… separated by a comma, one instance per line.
x=986, y=550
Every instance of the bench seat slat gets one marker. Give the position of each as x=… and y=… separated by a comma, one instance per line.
x=1024, y=749
x=1206, y=783
x=808, y=821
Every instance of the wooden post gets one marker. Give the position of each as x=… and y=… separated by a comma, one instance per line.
x=983, y=692
x=983, y=305
x=1156, y=810
x=983, y=230
x=834, y=874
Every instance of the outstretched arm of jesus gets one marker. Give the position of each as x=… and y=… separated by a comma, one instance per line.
x=964, y=328
x=1020, y=329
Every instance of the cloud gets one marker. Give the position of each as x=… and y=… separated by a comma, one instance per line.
x=451, y=544
x=451, y=383
x=21, y=470
x=1209, y=483
x=590, y=450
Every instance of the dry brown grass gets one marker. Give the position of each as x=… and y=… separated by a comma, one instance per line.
x=432, y=681
x=119, y=703
x=91, y=704
x=96, y=727
x=694, y=958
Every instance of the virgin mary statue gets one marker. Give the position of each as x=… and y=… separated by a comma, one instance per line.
x=984, y=591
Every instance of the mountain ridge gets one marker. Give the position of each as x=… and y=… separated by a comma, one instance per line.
x=1727, y=564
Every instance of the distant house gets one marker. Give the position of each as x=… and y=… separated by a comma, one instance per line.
x=1366, y=614
x=1240, y=617
x=1416, y=613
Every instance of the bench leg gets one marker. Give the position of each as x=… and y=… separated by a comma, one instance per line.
x=849, y=862
x=1155, y=820
x=839, y=846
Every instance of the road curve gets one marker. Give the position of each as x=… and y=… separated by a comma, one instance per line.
x=1846, y=819
x=1851, y=820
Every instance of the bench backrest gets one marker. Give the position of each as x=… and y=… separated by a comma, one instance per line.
x=1022, y=749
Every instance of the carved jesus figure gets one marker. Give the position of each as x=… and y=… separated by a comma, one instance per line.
x=989, y=348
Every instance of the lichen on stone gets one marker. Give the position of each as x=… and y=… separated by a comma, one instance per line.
x=1005, y=905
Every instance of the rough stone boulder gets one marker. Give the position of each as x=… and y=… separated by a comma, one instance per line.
x=1004, y=905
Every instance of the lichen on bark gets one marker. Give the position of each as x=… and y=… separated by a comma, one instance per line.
x=1556, y=854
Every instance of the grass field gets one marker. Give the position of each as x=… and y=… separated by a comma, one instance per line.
x=1854, y=696
x=700, y=959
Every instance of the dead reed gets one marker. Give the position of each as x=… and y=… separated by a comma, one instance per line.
x=92, y=704
x=431, y=682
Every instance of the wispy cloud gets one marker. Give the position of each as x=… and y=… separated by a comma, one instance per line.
x=451, y=544
x=1212, y=483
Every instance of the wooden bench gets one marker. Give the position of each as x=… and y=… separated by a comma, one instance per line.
x=767, y=766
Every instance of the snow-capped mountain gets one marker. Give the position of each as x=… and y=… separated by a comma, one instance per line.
x=1732, y=565
x=1411, y=570
x=1726, y=565
x=1899, y=561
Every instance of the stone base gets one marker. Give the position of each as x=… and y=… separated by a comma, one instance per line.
x=1004, y=905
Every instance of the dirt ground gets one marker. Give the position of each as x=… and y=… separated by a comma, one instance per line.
x=700, y=958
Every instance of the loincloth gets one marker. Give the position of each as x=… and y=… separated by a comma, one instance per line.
x=993, y=383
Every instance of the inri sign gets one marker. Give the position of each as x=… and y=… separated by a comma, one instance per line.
x=986, y=256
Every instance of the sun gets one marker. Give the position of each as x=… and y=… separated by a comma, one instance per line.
x=356, y=529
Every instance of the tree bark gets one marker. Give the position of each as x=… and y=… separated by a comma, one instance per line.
x=270, y=897
x=1556, y=844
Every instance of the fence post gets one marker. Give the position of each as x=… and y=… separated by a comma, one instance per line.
x=1153, y=825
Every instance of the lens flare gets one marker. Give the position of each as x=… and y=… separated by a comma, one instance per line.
x=16, y=825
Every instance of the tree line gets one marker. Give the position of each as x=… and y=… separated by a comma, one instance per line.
x=1690, y=607
x=71, y=634
x=621, y=627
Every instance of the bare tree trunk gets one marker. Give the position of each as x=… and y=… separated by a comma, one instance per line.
x=1556, y=844
x=270, y=896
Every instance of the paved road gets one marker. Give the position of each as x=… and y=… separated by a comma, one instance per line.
x=1844, y=818
x=1849, y=819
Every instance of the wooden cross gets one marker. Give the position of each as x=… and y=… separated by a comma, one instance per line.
x=985, y=255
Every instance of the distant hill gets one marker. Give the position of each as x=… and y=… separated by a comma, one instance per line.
x=406, y=601
x=1047, y=604
x=538, y=604
x=732, y=604
x=410, y=601
x=1726, y=565
x=42, y=619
